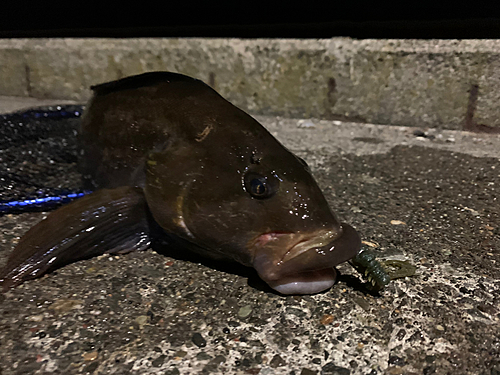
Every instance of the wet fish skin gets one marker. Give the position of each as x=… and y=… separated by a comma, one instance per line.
x=120, y=216
x=208, y=173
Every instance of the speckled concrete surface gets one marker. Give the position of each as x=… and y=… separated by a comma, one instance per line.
x=430, y=198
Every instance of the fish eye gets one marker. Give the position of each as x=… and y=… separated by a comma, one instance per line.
x=259, y=186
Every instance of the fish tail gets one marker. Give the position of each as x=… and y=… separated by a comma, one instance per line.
x=107, y=221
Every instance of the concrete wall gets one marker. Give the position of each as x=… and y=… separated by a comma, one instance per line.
x=437, y=83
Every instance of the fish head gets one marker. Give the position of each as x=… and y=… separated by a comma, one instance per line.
x=251, y=200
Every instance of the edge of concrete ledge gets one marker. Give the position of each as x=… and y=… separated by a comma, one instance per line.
x=428, y=83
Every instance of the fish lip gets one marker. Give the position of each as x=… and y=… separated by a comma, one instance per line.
x=307, y=244
x=310, y=282
x=302, y=243
x=305, y=253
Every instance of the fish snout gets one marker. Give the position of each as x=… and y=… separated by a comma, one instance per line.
x=294, y=263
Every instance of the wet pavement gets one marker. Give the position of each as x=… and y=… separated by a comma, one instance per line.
x=427, y=197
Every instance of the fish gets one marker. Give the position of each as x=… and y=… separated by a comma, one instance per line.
x=163, y=150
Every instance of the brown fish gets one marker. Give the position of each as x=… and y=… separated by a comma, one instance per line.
x=166, y=147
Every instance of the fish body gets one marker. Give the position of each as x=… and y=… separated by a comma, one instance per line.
x=167, y=149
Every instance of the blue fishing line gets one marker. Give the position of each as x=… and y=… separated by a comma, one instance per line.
x=59, y=113
x=38, y=203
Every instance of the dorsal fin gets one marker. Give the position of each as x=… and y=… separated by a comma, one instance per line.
x=141, y=80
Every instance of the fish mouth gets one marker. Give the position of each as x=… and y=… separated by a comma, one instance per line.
x=303, y=263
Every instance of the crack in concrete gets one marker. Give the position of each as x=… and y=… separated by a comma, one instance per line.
x=470, y=124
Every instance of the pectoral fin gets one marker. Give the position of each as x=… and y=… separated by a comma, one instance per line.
x=107, y=221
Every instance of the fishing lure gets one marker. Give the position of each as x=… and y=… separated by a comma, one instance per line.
x=372, y=270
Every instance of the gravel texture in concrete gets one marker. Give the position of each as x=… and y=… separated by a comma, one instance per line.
x=426, y=197
x=440, y=83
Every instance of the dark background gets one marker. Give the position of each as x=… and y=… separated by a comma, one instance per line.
x=250, y=19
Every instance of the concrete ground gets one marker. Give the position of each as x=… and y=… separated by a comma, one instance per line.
x=428, y=197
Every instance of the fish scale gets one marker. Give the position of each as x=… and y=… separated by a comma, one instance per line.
x=165, y=150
